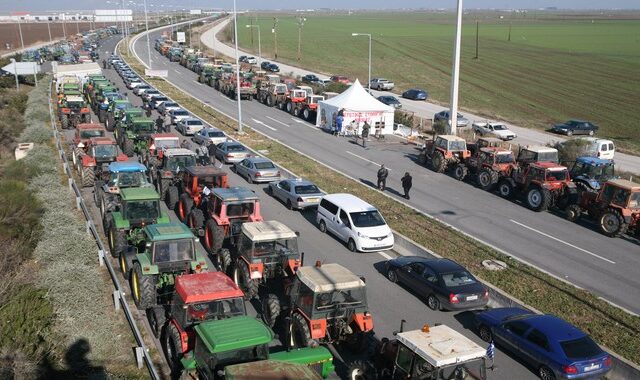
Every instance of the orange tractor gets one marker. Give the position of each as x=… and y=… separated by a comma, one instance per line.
x=446, y=152
x=94, y=158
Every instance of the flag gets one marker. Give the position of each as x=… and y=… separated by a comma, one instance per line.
x=491, y=351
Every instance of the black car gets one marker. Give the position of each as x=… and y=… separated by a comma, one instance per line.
x=390, y=101
x=445, y=284
x=576, y=127
x=273, y=68
x=415, y=94
x=310, y=78
x=243, y=58
x=265, y=65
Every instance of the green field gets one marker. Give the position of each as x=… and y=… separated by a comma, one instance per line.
x=555, y=67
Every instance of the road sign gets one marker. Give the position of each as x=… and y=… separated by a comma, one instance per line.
x=23, y=68
x=180, y=37
x=156, y=73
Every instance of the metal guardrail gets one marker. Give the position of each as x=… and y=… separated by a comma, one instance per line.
x=141, y=351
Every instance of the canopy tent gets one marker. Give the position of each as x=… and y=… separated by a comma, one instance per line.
x=357, y=105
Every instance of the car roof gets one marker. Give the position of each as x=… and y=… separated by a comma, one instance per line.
x=554, y=327
x=191, y=119
x=210, y=128
x=259, y=159
x=349, y=202
x=233, y=143
x=298, y=181
x=439, y=265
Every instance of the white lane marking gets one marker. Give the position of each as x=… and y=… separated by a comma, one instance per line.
x=297, y=120
x=197, y=82
x=385, y=255
x=278, y=121
x=304, y=123
x=563, y=242
x=262, y=123
x=365, y=159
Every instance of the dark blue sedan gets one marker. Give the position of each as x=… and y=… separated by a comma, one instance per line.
x=415, y=94
x=554, y=347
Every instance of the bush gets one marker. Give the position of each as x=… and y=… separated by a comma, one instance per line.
x=404, y=118
x=335, y=87
x=19, y=214
x=440, y=127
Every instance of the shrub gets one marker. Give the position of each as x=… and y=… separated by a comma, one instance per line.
x=440, y=127
x=404, y=118
x=19, y=213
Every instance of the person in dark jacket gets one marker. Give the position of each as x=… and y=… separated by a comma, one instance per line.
x=407, y=182
x=160, y=124
x=365, y=134
x=383, y=173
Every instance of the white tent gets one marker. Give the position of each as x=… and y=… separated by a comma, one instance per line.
x=356, y=105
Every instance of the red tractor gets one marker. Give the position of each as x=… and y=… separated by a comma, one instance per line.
x=191, y=187
x=446, y=152
x=542, y=184
x=489, y=165
x=273, y=94
x=616, y=207
x=96, y=155
x=84, y=133
x=309, y=108
x=157, y=143
x=295, y=101
x=198, y=298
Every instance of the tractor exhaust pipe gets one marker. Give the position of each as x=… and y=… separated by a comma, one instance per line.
x=301, y=259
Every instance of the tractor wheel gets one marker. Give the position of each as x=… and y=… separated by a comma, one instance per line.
x=538, y=199
x=612, y=223
x=437, y=162
x=296, y=111
x=213, y=237
x=143, y=288
x=224, y=260
x=157, y=318
x=505, y=189
x=98, y=194
x=88, y=176
x=459, y=172
x=110, y=123
x=299, y=334
x=101, y=115
x=75, y=156
x=361, y=370
x=242, y=278
x=289, y=107
x=162, y=185
x=173, y=347
x=184, y=207
x=487, y=179
x=127, y=147
x=64, y=122
x=572, y=213
x=126, y=263
x=306, y=114
x=117, y=241
x=107, y=204
x=172, y=197
x=270, y=309
x=195, y=218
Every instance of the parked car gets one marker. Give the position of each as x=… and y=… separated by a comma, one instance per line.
x=600, y=148
x=444, y=115
x=242, y=58
x=322, y=82
x=390, y=101
x=140, y=89
x=415, y=94
x=251, y=60
x=498, y=130
x=207, y=134
x=133, y=84
x=150, y=93
x=445, y=284
x=157, y=101
x=167, y=106
x=257, y=169
x=296, y=193
x=576, y=127
x=189, y=126
x=177, y=115
x=340, y=79
x=310, y=78
x=265, y=65
x=273, y=68
x=556, y=348
x=381, y=84
x=231, y=152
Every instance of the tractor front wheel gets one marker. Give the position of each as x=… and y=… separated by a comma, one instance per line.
x=306, y=114
x=172, y=197
x=270, y=309
x=195, y=219
x=224, y=260
x=65, y=122
x=486, y=179
x=242, y=278
x=299, y=332
x=143, y=288
x=612, y=223
x=361, y=370
x=157, y=318
x=505, y=189
x=572, y=213
x=184, y=207
x=88, y=176
x=357, y=341
x=459, y=172
x=438, y=162
x=213, y=237
x=127, y=147
x=125, y=263
x=538, y=199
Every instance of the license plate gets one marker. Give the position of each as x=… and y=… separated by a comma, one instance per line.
x=269, y=174
x=592, y=367
x=472, y=298
x=311, y=200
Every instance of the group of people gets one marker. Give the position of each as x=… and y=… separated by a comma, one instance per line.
x=406, y=180
x=340, y=129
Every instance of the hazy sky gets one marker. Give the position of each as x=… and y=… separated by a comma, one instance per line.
x=41, y=5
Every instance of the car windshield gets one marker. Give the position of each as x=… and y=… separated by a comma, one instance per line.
x=306, y=189
x=457, y=278
x=180, y=113
x=456, y=146
x=341, y=297
x=235, y=148
x=102, y=151
x=280, y=246
x=71, y=104
x=169, y=143
x=238, y=210
x=173, y=250
x=131, y=179
x=194, y=122
x=142, y=210
x=176, y=163
x=367, y=219
x=170, y=104
x=160, y=99
x=581, y=348
x=504, y=158
x=474, y=369
x=213, y=310
x=264, y=165
x=91, y=133
x=215, y=134
x=557, y=175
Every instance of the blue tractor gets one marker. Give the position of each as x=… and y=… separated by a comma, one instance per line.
x=120, y=175
x=589, y=173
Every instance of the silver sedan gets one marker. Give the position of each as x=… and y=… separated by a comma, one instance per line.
x=296, y=193
x=209, y=134
x=230, y=152
x=257, y=169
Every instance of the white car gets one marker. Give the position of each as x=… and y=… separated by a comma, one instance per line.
x=189, y=126
x=178, y=115
x=209, y=134
x=498, y=130
x=251, y=60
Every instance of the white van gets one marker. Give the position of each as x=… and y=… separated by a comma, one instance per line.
x=600, y=148
x=355, y=222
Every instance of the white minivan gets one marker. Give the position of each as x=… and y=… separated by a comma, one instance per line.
x=600, y=148
x=355, y=222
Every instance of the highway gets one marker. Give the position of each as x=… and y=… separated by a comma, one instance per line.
x=388, y=303
x=526, y=136
x=573, y=252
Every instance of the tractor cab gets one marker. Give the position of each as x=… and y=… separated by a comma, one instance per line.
x=196, y=179
x=141, y=206
x=86, y=131
x=298, y=95
x=589, y=173
x=123, y=175
x=313, y=101
x=306, y=89
x=621, y=193
x=103, y=150
x=159, y=142
x=535, y=153
x=444, y=152
x=484, y=142
x=178, y=159
x=140, y=125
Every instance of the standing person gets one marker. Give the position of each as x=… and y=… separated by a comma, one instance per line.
x=365, y=134
x=211, y=147
x=383, y=173
x=167, y=122
x=148, y=112
x=203, y=155
x=160, y=124
x=104, y=64
x=339, y=120
x=185, y=144
x=407, y=182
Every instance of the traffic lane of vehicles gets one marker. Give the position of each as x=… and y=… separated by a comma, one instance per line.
x=445, y=196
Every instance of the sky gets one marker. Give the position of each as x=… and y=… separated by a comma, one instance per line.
x=43, y=5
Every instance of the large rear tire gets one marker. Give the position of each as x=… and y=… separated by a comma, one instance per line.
x=143, y=288
x=224, y=260
x=172, y=197
x=127, y=147
x=300, y=334
x=612, y=224
x=184, y=207
x=64, y=122
x=213, y=237
x=87, y=176
x=117, y=240
x=270, y=309
x=538, y=199
x=242, y=278
x=195, y=219
x=437, y=162
x=173, y=347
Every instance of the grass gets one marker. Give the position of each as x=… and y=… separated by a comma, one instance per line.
x=609, y=325
x=554, y=68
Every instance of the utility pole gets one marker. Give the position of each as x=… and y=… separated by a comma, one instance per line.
x=20, y=29
x=190, y=35
x=455, y=75
x=49, y=29
x=259, y=41
x=477, y=36
x=77, y=23
x=146, y=23
x=509, y=37
x=64, y=23
x=367, y=35
x=238, y=98
x=275, y=37
x=301, y=21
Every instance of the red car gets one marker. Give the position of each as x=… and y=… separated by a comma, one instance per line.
x=340, y=79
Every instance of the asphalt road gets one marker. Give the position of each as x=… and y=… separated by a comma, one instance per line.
x=388, y=303
x=574, y=252
x=526, y=136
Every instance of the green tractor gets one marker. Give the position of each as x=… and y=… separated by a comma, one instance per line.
x=91, y=87
x=154, y=260
x=139, y=206
x=120, y=124
x=229, y=342
x=115, y=111
x=134, y=135
x=99, y=94
x=91, y=81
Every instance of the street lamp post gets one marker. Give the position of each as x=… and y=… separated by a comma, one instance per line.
x=301, y=21
x=146, y=24
x=368, y=35
x=275, y=37
x=64, y=23
x=238, y=98
x=259, y=42
x=455, y=75
x=20, y=29
x=49, y=29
